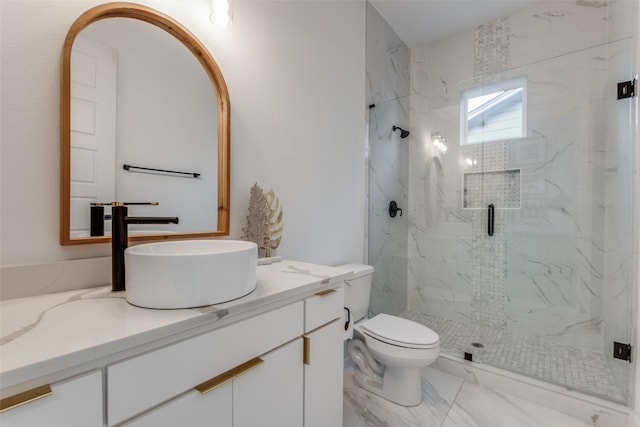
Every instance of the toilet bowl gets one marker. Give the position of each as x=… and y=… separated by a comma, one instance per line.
x=388, y=351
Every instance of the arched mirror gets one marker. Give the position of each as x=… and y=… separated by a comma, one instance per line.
x=144, y=119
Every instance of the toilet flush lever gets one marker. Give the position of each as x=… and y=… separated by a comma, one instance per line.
x=346, y=324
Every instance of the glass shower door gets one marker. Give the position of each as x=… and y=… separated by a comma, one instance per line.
x=555, y=281
x=522, y=243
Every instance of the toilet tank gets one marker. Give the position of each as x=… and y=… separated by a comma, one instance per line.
x=357, y=290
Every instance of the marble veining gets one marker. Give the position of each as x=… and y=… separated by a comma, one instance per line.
x=45, y=334
x=387, y=69
x=448, y=401
x=387, y=60
x=559, y=267
x=479, y=407
x=74, y=296
x=364, y=408
x=292, y=269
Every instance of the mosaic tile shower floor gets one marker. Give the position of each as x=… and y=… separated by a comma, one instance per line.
x=578, y=369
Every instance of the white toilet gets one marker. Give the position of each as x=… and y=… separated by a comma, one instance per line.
x=388, y=351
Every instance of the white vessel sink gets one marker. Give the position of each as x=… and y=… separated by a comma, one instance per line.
x=189, y=273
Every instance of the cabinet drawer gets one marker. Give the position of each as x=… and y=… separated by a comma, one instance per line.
x=75, y=402
x=248, y=399
x=323, y=308
x=192, y=409
x=138, y=384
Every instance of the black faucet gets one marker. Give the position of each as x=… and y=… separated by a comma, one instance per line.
x=120, y=239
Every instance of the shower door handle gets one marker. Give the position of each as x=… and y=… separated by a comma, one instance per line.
x=490, y=217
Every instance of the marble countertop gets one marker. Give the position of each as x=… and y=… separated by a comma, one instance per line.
x=48, y=333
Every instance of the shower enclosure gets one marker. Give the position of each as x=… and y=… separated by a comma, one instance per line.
x=517, y=240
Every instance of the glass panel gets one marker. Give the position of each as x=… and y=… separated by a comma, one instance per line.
x=566, y=270
x=388, y=172
x=548, y=293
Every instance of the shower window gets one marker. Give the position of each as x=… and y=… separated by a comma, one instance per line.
x=494, y=112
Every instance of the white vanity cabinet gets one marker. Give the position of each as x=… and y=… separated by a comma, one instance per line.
x=282, y=368
x=168, y=382
x=271, y=358
x=271, y=394
x=323, y=359
x=76, y=402
x=264, y=392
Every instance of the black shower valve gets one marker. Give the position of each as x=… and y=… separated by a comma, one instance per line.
x=394, y=209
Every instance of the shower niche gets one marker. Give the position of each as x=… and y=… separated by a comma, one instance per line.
x=499, y=188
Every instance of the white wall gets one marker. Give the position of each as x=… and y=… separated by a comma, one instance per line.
x=295, y=72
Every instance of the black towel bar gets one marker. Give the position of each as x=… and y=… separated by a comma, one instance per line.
x=129, y=167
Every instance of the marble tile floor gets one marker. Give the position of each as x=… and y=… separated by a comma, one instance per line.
x=448, y=401
x=578, y=369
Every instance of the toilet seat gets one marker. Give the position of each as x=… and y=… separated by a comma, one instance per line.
x=400, y=332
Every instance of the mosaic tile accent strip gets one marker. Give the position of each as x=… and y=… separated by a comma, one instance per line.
x=489, y=266
x=491, y=47
x=583, y=370
x=488, y=259
x=495, y=155
x=502, y=188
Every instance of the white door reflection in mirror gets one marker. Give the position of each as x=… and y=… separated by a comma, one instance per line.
x=93, y=129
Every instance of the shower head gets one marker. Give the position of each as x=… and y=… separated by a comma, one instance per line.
x=403, y=133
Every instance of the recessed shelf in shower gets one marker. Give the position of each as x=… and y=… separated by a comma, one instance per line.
x=501, y=188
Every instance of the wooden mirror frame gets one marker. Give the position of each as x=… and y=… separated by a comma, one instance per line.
x=173, y=27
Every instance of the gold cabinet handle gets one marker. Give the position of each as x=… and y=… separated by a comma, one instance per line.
x=215, y=382
x=25, y=397
x=247, y=366
x=229, y=375
x=306, y=349
x=325, y=292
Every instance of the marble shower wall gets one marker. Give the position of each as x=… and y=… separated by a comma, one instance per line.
x=387, y=69
x=560, y=265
